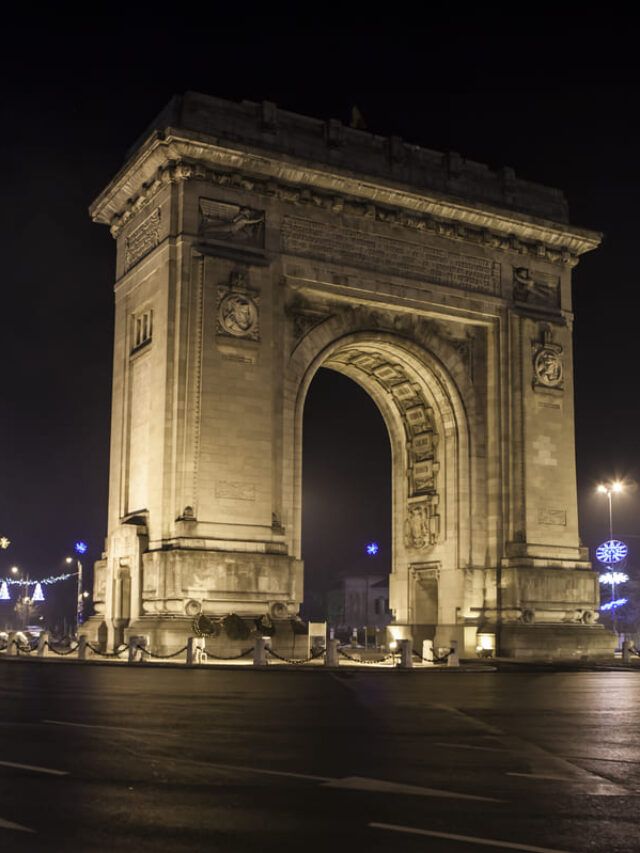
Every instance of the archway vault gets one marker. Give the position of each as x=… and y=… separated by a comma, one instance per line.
x=427, y=421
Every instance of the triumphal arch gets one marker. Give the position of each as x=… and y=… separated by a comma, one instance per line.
x=255, y=246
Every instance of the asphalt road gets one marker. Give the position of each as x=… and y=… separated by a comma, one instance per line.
x=101, y=758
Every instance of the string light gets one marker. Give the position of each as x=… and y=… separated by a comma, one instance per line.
x=51, y=579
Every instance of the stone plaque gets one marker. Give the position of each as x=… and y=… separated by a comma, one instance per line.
x=553, y=516
x=235, y=491
x=342, y=245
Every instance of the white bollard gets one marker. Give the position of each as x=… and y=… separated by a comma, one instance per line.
x=453, y=659
x=406, y=654
x=331, y=657
x=259, y=653
x=43, y=640
x=428, y=658
x=192, y=647
x=82, y=647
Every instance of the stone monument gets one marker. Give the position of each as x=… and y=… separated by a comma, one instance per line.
x=254, y=246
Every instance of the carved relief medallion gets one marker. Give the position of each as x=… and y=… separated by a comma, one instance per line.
x=548, y=365
x=238, y=310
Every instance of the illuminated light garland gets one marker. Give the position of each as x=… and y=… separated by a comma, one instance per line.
x=47, y=581
x=612, y=605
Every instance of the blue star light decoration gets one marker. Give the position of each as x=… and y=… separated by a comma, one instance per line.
x=81, y=547
x=372, y=549
x=611, y=551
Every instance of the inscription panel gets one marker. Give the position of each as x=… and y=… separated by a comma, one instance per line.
x=356, y=248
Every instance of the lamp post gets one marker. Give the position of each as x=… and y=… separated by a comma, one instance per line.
x=611, y=489
x=25, y=600
x=80, y=547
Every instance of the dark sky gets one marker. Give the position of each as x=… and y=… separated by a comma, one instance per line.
x=554, y=96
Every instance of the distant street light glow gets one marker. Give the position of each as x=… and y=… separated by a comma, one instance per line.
x=372, y=549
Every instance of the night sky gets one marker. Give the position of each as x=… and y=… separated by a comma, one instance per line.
x=553, y=97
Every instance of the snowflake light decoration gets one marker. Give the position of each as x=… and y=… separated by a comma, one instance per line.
x=372, y=549
x=613, y=578
x=611, y=551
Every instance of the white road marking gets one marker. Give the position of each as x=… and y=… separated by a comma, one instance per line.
x=360, y=783
x=96, y=726
x=261, y=770
x=487, y=842
x=541, y=761
x=544, y=776
x=471, y=746
x=7, y=824
x=35, y=768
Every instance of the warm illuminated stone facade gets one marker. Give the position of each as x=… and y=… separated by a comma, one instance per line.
x=255, y=246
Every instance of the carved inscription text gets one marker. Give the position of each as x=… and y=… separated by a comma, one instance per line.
x=357, y=248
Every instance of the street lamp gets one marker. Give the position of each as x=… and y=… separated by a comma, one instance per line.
x=24, y=601
x=80, y=547
x=611, y=489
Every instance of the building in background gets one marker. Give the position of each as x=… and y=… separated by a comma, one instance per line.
x=362, y=603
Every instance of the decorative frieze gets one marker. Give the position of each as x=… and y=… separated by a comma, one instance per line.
x=142, y=239
x=177, y=172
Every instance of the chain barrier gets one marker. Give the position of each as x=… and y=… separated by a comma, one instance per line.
x=311, y=657
x=146, y=651
x=634, y=651
x=386, y=658
x=231, y=657
x=69, y=651
x=115, y=654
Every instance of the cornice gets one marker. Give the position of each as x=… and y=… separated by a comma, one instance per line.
x=174, y=156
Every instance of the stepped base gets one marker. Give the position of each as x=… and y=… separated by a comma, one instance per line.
x=556, y=642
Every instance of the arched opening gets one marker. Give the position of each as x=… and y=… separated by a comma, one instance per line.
x=346, y=506
x=428, y=432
